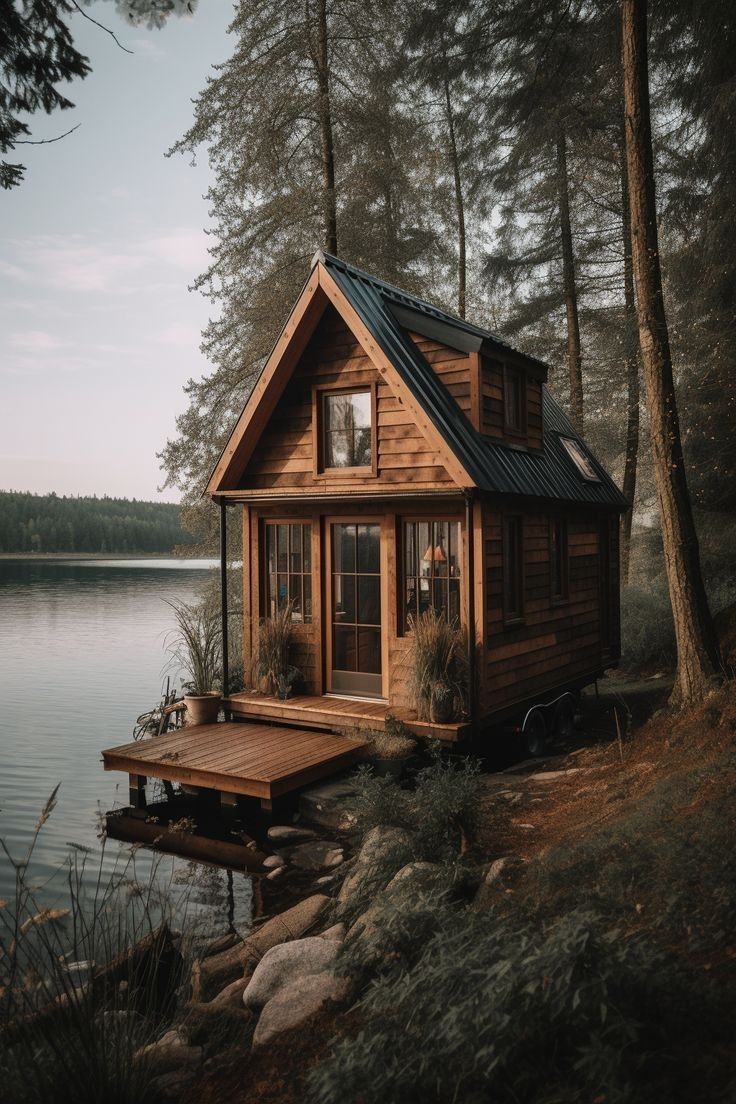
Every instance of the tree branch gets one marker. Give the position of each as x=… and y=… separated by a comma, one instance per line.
x=102, y=27
x=46, y=141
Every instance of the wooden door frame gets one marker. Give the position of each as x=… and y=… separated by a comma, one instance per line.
x=329, y=520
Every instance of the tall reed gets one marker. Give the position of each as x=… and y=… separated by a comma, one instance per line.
x=85, y=981
x=438, y=664
x=271, y=658
x=195, y=645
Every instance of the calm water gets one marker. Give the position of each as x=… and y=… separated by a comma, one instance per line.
x=82, y=653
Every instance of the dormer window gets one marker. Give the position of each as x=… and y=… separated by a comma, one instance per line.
x=347, y=429
x=514, y=401
x=580, y=460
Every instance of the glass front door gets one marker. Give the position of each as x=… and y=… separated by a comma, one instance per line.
x=355, y=609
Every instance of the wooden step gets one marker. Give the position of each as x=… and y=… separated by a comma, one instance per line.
x=336, y=714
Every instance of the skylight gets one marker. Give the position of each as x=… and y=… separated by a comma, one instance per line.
x=580, y=460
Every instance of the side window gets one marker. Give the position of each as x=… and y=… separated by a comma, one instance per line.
x=513, y=568
x=432, y=566
x=558, y=560
x=289, y=569
x=514, y=401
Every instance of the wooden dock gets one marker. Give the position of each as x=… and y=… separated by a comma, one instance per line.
x=327, y=712
x=254, y=760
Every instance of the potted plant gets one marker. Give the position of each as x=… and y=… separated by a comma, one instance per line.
x=438, y=665
x=271, y=665
x=390, y=750
x=195, y=647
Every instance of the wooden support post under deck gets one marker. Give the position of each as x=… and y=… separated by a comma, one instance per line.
x=137, y=790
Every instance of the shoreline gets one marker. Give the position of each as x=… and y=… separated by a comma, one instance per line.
x=97, y=556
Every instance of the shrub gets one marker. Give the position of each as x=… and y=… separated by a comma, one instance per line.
x=271, y=660
x=489, y=1011
x=647, y=629
x=438, y=665
x=441, y=812
x=387, y=745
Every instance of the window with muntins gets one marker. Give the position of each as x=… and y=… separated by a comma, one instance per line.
x=289, y=569
x=432, y=569
x=514, y=400
x=513, y=568
x=558, y=560
x=347, y=429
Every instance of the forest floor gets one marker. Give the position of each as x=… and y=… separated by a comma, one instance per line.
x=634, y=820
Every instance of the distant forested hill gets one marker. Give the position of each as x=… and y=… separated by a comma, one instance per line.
x=50, y=523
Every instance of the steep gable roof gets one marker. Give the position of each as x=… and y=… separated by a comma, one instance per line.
x=378, y=313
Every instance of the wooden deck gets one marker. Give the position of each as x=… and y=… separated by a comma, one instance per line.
x=255, y=760
x=336, y=713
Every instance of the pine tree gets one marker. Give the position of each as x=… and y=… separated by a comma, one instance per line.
x=698, y=658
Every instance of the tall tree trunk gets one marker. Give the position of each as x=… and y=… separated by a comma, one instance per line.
x=459, y=199
x=698, y=658
x=321, y=62
x=574, y=358
x=631, y=360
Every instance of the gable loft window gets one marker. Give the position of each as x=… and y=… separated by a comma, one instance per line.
x=558, y=560
x=347, y=429
x=289, y=569
x=513, y=568
x=431, y=569
x=514, y=400
x=580, y=460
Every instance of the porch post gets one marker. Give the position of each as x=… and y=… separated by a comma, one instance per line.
x=223, y=593
x=470, y=544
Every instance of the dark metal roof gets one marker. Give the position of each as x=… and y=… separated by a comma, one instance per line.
x=495, y=468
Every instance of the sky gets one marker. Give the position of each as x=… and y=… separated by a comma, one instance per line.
x=98, y=331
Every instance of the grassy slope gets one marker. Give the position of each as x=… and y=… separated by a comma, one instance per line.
x=640, y=835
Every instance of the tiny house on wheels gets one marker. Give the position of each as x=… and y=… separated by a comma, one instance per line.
x=391, y=459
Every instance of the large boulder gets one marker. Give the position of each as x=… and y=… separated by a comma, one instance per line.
x=284, y=965
x=213, y=974
x=406, y=887
x=383, y=851
x=297, y=1002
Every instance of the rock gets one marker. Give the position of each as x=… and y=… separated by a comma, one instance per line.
x=274, y=861
x=170, y=1052
x=337, y=932
x=326, y=880
x=329, y=805
x=314, y=855
x=231, y=996
x=214, y=973
x=297, y=1002
x=285, y=963
x=275, y=873
x=217, y=1019
x=173, y=1085
x=493, y=883
x=284, y=833
x=550, y=776
x=334, y=858
x=373, y=859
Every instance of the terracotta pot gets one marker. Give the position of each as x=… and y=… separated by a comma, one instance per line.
x=202, y=708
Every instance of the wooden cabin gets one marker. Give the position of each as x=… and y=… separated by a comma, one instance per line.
x=392, y=457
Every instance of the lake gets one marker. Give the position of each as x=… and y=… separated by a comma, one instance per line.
x=82, y=654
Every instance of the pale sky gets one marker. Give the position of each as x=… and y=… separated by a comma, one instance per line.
x=98, y=332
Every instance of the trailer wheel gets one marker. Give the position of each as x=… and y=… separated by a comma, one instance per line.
x=563, y=721
x=535, y=733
